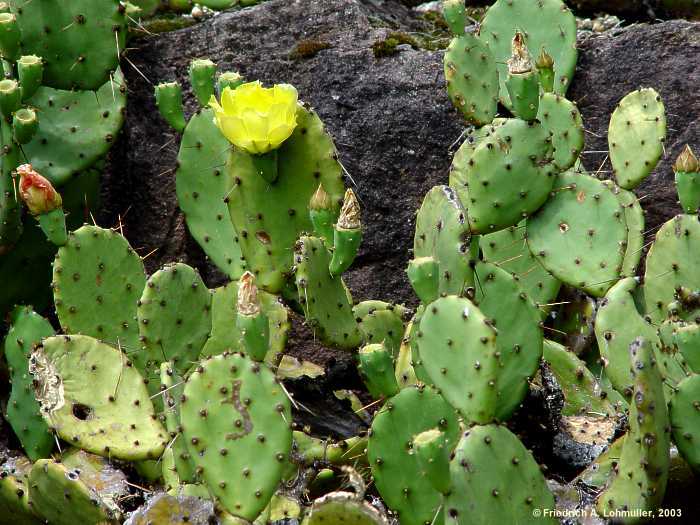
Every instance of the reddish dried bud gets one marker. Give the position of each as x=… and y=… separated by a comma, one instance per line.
x=37, y=192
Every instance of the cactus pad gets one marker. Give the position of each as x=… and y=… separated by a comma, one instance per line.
x=684, y=411
x=382, y=325
x=14, y=493
x=634, y=218
x=561, y=118
x=345, y=508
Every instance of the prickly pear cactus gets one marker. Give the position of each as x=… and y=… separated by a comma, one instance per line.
x=92, y=397
x=173, y=386
x=167, y=509
x=236, y=421
x=14, y=493
x=495, y=479
x=635, y=136
x=684, y=411
x=97, y=281
x=27, y=331
x=396, y=471
x=580, y=234
x=561, y=118
x=634, y=219
x=382, y=325
x=345, y=508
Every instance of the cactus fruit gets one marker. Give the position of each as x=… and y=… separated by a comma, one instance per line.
x=434, y=458
x=636, y=135
x=322, y=213
x=562, y=119
x=346, y=508
x=25, y=124
x=236, y=420
x=44, y=203
x=548, y=24
x=508, y=176
x=27, y=330
x=228, y=79
x=472, y=78
x=169, y=102
x=396, y=470
x=97, y=281
x=15, y=508
x=687, y=172
x=324, y=298
x=174, y=320
x=202, y=72
x=251, y=321
x=545, y=69
x=508, y=250
x=684, y=411
x=30, y=73
x=495, y=479
x=522, y=81
x=347, y=235
x=91, y=396
x=424, y=275
x=377, y=370
x=580, y=234
x=442, y=233
x=642, y=471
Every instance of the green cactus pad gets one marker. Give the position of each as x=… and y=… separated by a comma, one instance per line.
x=27, y=330
x=75, y=128
x=561, y=118
x=224, y=331
x=403, y=367
x=236, y=420
x=382, y=325
x=457, y=347
x=174, y=317
x=345, y=508
x=547, y=24
x=10, y=210
x=173, y=386
x=175, y=509
x=376, y=368
x=60, y=496
x=670, y=264
x=442, y=233
x=97, y=281
x=636, y=135
x=634, y=219
x=684, y=411
x=202, y=185
x=495, y=479
x=396, y=470
x=642, y=471
x=687, y=338
x=80, y=42
x=517, y=322
x=15, y=508
x=507, y=177
x=597, y=474
x=580, y=234
x=325, y=299
x=472, y=78
x=508, y=250
x=269, y=217
x=92, y=397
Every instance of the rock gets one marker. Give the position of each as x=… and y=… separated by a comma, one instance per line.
x=390, y=117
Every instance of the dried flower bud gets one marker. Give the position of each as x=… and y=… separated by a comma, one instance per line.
x=350, y=212
x=37, y=192
x=545, y=60
x=320, y=200
x=248, y=303
x=520, y=62
x=686, y=162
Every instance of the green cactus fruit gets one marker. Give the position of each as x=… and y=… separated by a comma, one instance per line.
x=10, y=97
x=381, y=322
x=377, y=370
x=548, y=24
x=495, y=479
x=59, y=495
x=442, y=233
x=76, y=128
x=26, y=332
x=25, y=124
x=687, y=172
x=228, y=79
x=169, y=103
x=457, y=347
x=175, y=509
x=236, y=420
x=508, y=250
x=508, y=176
x=97, y=281
x=174, y=319
x=347, y=235
x=519, y=343
x=322, y=213
x=579, y=235
x=324, y=298
x=251, y=321
x=346, y=508
x=472, y=78
x=670, y=264
x=80, y=43
x=225, y=334
x=523, y=80
x=396, y=470
x=30, y=72
x=92, y=397
x=455, y=15
x=545, y=68
x=53, y=224
x=15, y=508
x=642, y=471
x=636, y=136
x=173, y=386
x=634, y=218
x=269, y=218
x=583, y=393
x=562, y=119
x=687, y=338
x=202, y=72
x=202, y=187
x=9, y=36
x=424, y=275
x=684, y=411
x=434, y=458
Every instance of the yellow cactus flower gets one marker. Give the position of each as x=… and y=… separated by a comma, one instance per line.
x=255, y=118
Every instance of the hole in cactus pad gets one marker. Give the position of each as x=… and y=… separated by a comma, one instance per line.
x=82, y=412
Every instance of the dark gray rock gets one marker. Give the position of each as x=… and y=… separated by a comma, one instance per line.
x=390, y=117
